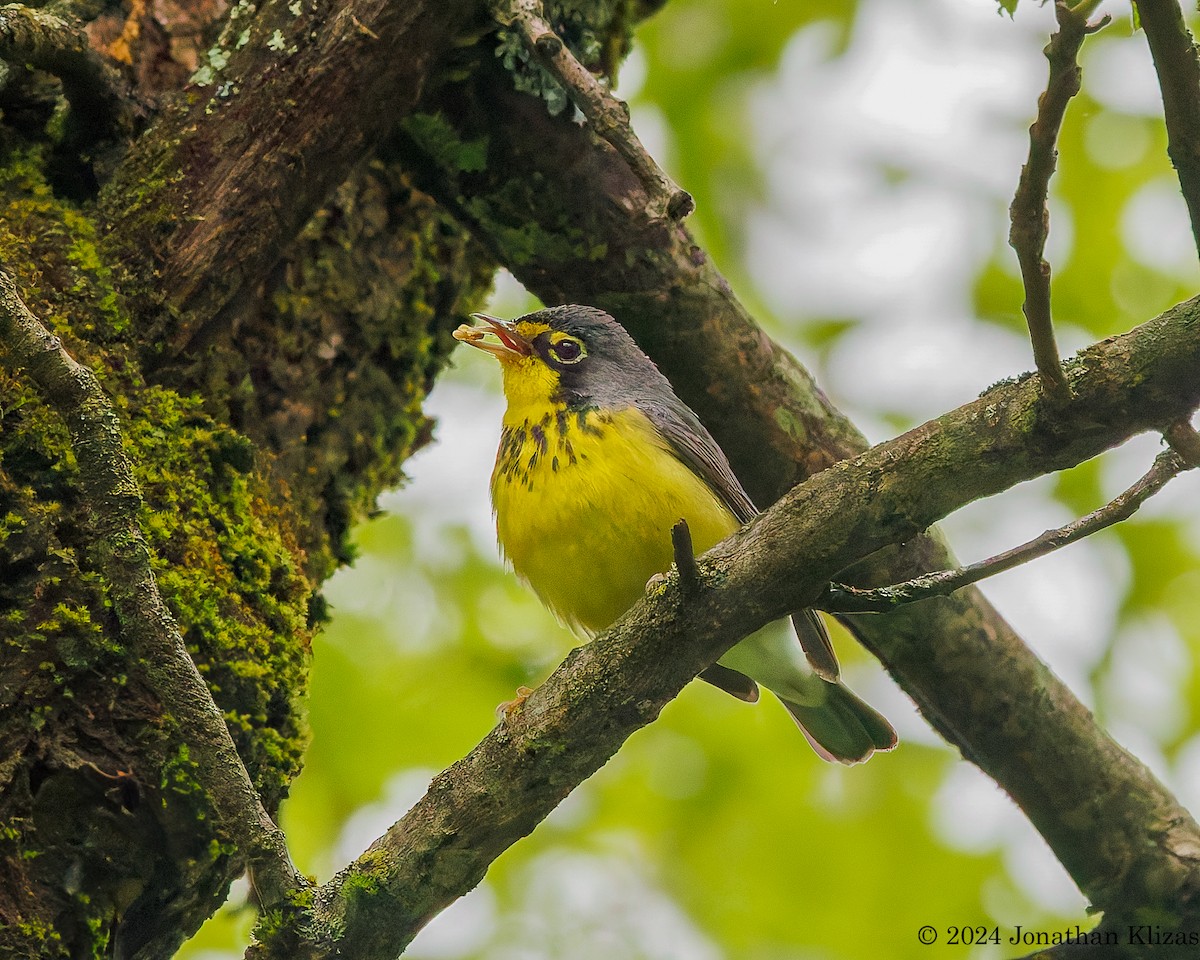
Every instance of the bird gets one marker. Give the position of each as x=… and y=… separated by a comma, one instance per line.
x=598, y=460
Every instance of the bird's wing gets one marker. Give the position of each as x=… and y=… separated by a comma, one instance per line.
x=695, y=446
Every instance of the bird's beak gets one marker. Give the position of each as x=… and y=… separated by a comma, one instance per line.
x=510, y=342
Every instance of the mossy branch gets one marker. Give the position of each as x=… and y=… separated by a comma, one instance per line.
x=120, y=554
x=50, y=39
x=569, y=727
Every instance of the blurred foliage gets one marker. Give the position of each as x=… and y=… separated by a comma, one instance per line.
x=715, y=832
x=703, y=56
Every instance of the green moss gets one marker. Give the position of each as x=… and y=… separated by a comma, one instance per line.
x=228, y=573
x=437, y=137
x=529, y=242
x=253, y=462
x=367, y=878
x=52, y=251
x=145, y=208
x=790, y=424
x=42, y=938
x=376, y=281
x=281, y=923
x=107, y=785
x=98, y=925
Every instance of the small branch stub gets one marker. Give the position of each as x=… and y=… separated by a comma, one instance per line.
x=685, y=559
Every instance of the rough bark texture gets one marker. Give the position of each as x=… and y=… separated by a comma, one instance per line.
x=98, y=794
x=292, y=98
x=254, y=452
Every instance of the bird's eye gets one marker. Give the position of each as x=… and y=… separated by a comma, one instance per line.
x=568, y=351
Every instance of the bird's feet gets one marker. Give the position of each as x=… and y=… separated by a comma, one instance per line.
x=505, y=710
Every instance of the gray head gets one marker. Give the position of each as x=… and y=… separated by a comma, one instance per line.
x=595, y=359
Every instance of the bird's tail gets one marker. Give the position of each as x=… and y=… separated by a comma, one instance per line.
x=842, y=727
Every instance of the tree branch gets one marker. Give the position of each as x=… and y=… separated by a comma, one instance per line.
x=839, y=598
x=1178, y=68
x=51, y=40
x=121, y=554
x=1030, y=218
x=608, y=116
x=956, y=657
x=1184, y=441
x=971, y=676
x=565, y=730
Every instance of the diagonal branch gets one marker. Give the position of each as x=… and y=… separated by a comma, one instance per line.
x=956, y=657
x=1178, y=68
x=122, y=555
x=1010, y=710
x=839, y=598
x=608, y=116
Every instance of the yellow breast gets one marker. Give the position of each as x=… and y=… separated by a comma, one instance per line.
x=584, y=507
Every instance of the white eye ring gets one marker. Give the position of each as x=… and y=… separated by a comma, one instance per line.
x=567, y=351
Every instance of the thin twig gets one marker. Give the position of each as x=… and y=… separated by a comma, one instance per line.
x=1178, y=67
x=685, y=558
x=839, y=598
x=108, y=485
x=608, y=116
x=1030, y=218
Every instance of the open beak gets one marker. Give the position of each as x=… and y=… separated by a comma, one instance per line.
x=508, y=342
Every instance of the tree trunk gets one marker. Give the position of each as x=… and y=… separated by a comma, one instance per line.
x=260, y=428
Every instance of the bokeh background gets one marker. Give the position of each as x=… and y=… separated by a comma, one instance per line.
x=853, y=165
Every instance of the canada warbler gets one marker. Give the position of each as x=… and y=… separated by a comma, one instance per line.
x=598, y=460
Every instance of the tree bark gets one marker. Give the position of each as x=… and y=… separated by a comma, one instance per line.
x=293, y=403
